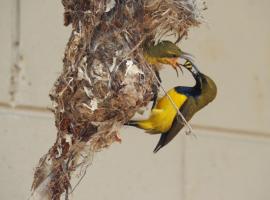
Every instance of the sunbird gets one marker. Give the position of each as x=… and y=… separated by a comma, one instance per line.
x=189, y=100
x=164, y=52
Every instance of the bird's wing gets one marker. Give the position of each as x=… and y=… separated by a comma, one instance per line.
x=156, y=111
x=187, y=111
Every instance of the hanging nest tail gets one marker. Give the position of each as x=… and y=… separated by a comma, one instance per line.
x=104, y=81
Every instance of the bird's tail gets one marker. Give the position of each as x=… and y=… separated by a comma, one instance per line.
x=132, y=123
x=161, y=143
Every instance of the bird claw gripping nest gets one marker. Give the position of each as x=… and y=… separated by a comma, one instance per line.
x=105, y=79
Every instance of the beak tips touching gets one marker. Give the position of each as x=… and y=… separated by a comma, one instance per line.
x=189, y=58
x=189, y=62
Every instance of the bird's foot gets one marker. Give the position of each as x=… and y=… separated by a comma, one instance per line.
x=175, y=64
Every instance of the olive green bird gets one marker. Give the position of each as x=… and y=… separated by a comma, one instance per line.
x=189, y=100
x=165, y=52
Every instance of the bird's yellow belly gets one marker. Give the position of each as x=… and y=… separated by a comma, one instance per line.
x=163, y=122
x=162, y=116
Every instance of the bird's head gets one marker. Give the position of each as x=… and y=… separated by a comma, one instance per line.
x=167, y=49
x=166, y=52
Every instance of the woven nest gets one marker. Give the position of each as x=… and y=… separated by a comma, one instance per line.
x=105, y=79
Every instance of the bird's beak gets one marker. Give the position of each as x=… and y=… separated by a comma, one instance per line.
x=189, y=60
x=189, y=65
x=188, y=57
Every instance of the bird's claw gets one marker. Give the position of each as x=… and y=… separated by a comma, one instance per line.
x=176, y=66
x=117, y=138
x=180, y=67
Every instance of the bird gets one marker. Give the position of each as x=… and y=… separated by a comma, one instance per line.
x=189, y=100
x=164, y=52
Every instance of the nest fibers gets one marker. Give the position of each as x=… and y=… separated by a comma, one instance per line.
x=104, y=81
x=175, y=16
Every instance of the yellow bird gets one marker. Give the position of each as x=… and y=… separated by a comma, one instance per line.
x=164, y=119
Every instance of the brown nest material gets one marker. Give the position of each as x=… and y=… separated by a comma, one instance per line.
x=104, y=81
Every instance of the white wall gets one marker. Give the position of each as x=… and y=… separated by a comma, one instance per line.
x=228, y=159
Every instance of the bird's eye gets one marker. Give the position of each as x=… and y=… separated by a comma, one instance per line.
x=174, y=56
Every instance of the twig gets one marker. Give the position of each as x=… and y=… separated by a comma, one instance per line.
x=67, y=194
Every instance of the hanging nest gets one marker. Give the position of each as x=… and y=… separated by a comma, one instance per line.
x=104, y=81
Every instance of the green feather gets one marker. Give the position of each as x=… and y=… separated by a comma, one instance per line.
x=164, y=49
